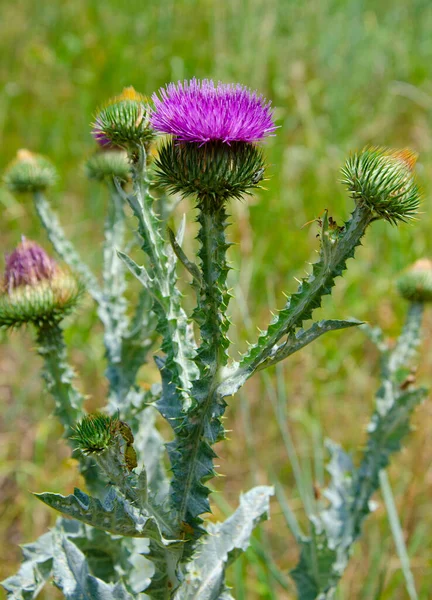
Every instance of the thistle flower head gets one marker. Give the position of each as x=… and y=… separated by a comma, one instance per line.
x=123, y=121
x=107, y=164
x=415, y=283
x=35, y=289
x=383, y=180
x=30, y=173
x=212, y=153
x=200, y=111
x=28, y=264
x=96, y=433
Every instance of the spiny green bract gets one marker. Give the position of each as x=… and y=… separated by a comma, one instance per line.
x=415, y=284
x=107, y=164
x=29, y=173
x=124, y=121
x=383, y=180
x=214, y=170
x=96, y=433
x=47, y=302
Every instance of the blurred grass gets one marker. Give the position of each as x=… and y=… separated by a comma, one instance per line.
x=341, y=74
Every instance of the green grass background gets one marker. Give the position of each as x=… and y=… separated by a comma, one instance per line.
x=341, y=74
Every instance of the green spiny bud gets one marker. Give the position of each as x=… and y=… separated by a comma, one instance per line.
x=96, y=433
x=124, y=121
x=215, y=170
x=415, y=284
x=107, y=164
x=35, y=289
x=30, y=173
x=382, y=180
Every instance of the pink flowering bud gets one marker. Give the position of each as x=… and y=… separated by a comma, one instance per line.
x=27, y=265
x=35, y=289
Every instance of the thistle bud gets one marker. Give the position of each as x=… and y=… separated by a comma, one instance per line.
x=124, y=121
x=96, y=433
x=215, y=129
x=30, y=173
x=383, y=180
x=35, y=289
x=108, y=164
x=415, y=284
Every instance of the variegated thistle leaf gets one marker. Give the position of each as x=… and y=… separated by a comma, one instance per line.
x=113, y=514
x=205, y=573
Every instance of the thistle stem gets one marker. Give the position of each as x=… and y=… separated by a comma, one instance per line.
x=58, y=376
x=336, y=248
x=172, y=320
x=192, y=447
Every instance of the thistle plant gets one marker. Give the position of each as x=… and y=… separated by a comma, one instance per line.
x=337, y=522
x=148, y=521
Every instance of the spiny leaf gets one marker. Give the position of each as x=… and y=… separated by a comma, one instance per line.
x=113, y=514
x=73, y=578
x=190, y=453
x=337, y=246
x=205, y=574
x=34, y=572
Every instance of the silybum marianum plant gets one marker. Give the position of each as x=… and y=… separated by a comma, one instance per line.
x=340, y=509
x=146, y=522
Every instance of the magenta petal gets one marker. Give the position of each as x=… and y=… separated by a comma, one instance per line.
x=200, y=111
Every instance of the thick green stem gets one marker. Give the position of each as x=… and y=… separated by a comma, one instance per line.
x=191, y=453
x=172, y=321
x=63, y=246
x=58, y=376
x=210, y=314
x=408, y=340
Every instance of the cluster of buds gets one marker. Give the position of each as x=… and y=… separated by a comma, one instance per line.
x=35, y=289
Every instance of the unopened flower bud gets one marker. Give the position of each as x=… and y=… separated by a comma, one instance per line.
x=35, y=289
x=415, y=283
x=383, y=180
x=30, y=173
x=124, y=121
x=96, y=433
x=108, y=164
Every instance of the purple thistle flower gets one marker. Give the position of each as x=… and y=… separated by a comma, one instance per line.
x=200, y=111
x=27, y=265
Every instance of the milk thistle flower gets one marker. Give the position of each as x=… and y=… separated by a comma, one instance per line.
x=123, y=121
x=215, y=128
x=30, y=173
x=415, y=284
x=35, y=289
x=382, y=179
